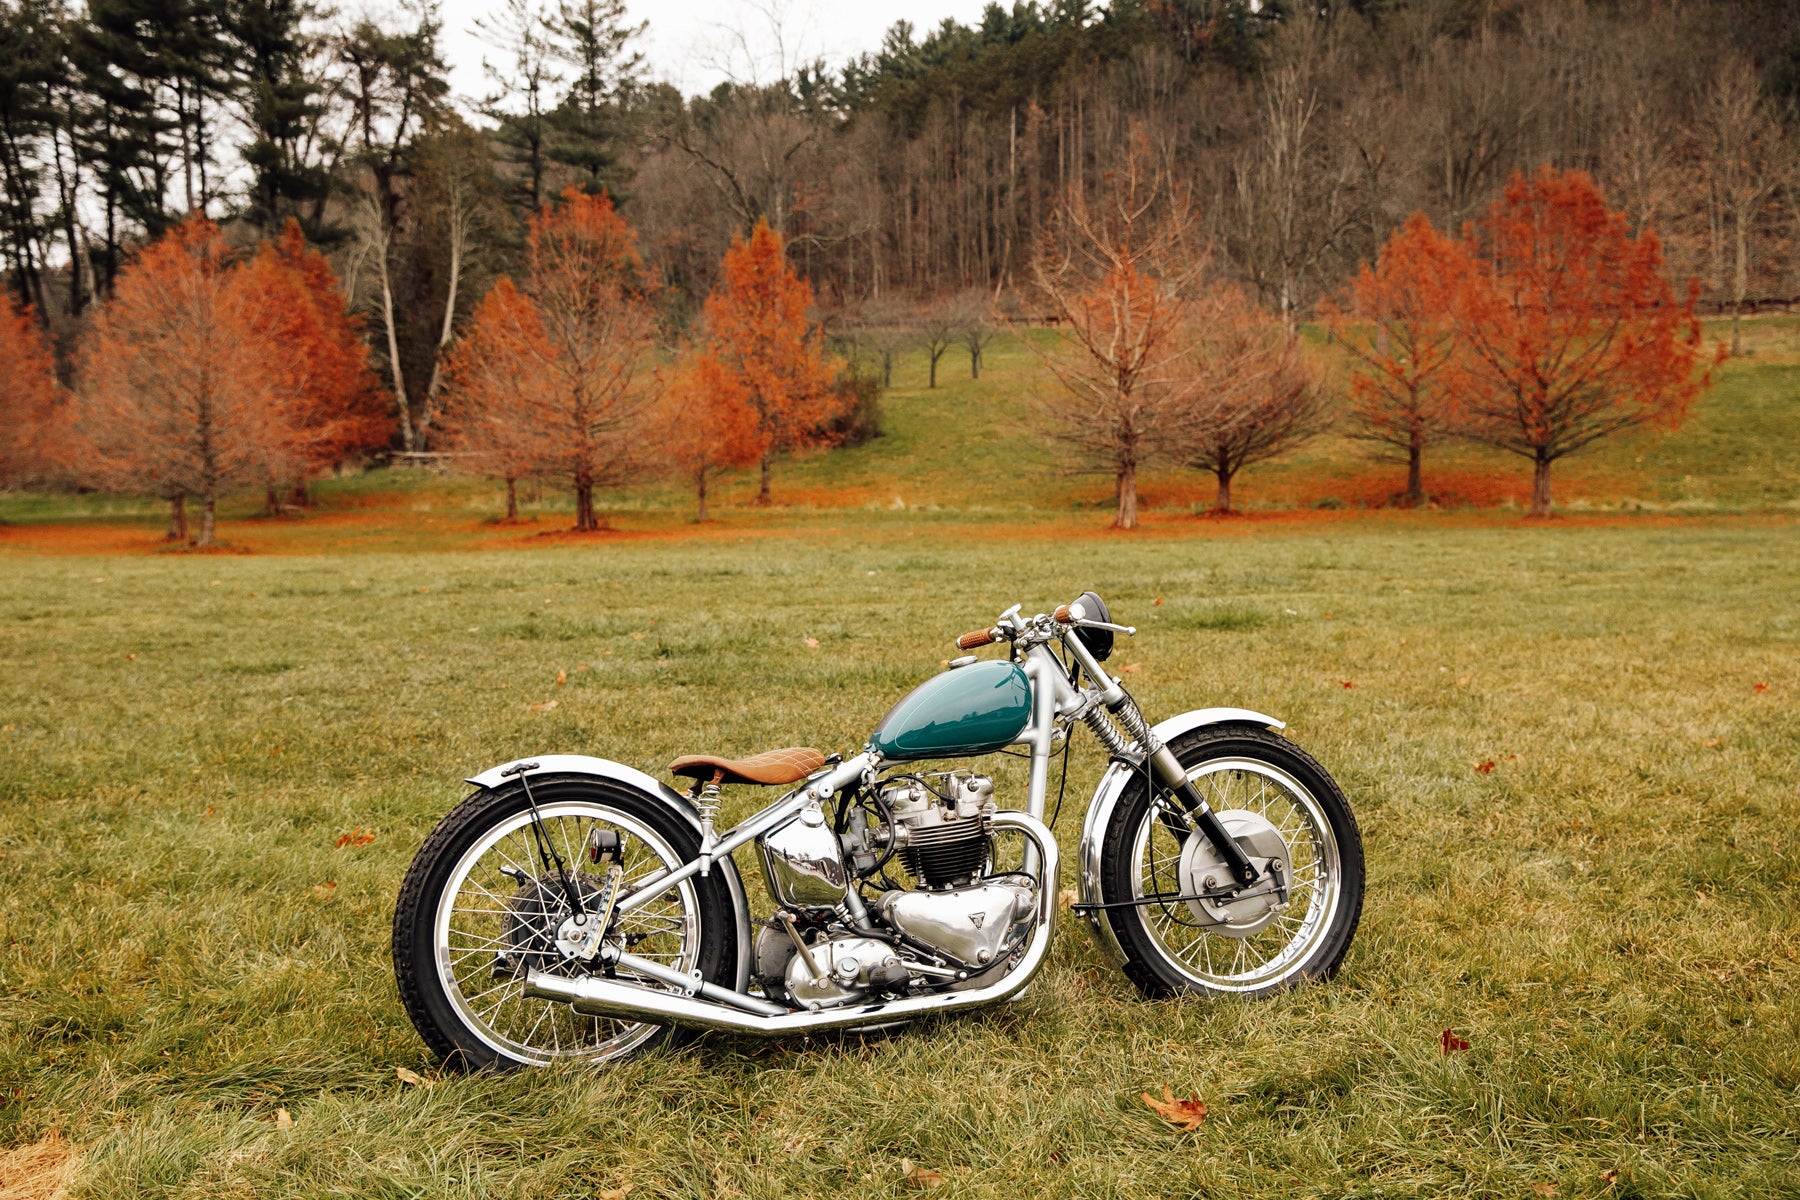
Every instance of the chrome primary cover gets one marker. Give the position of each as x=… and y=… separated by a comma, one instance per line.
x=970, y=924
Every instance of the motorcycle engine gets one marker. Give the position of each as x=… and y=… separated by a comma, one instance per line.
x=941, y=825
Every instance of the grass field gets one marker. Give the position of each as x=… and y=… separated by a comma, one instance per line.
x=1608, y=916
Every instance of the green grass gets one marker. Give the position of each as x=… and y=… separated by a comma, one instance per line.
x=1609, y=917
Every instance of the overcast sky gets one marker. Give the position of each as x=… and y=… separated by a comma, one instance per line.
x=696, y=44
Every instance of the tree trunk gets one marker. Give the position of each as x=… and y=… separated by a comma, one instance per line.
x=1222, y=502
x=177, y=518
x=763, y=498
x=585, y=521
x=512, y=498
x=271, y=501
x=1415, y=484
x=1540, y=486
x=974, y=362
x=298, y=495
x=700, y=481
x=934, y=362
x=208, y=519
x=1127, y=514
x=1740, y=284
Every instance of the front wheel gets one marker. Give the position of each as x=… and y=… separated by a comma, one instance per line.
x=1283, y=808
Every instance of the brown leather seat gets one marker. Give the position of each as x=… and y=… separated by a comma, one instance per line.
x=772, y=767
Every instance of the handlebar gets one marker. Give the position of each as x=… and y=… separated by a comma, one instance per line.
x=974, y=638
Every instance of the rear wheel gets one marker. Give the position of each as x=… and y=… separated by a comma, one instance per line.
x=1283, y=808
x=482, y=904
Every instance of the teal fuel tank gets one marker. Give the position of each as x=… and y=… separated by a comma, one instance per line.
x=975, y=709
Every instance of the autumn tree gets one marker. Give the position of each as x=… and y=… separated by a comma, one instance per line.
x=1261, y=398
x=760, y=342
x=1123, y=277
x=28, y=397
x=1573, y=333
x=183, y=389
x=498, y=411
x=1400, y=331
x=564, y=359
x=707, y=424
x=937, y=328
x=976, y=327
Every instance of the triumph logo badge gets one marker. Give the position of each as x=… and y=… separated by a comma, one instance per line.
x=978, y=919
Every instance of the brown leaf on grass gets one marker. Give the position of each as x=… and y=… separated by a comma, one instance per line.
x=1485, y=767
x=638, y=637
x=562, y=677
x=618, y=1193
x=1186, y=1113
x=1450, y=1043
x=1543, y=1189
x=1713, y=743
x=409, y=1077
x=283, y=1119
x=1158, y=602
x=1463, y=680
x=1327, y=616
x=920, y=1178
x=541, y=706
x=812, y=643
x=1759, y=688
x=1609, y=1177
x=1349, y=683
x=324, y=891
x=39, y=1171
x=356, y=837
x=1131, y=668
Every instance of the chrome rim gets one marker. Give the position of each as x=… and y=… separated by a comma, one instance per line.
x=485, y=913
x=1278, y=952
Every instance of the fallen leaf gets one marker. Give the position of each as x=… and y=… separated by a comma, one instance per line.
x=1759, y=687
x=813, y=643
x=920, y=1178
x=1349, y=683
x=1609, y=1177
x=324, y=891
x=422, y=591
x=1485, y=767
x=1463, y=680
x=1703, y=898
x=638, y=637
x=1403, y=641
x=1327, y=616
x=1186, y=1113
x=131, y=656
x=1450, y=1042
x=1158, y=601
x=1543, y=1189
x=580, y=667
x=796, y=1144
x=409, y=1076
x=1709, y=743
x=283, y=1119
x=210, y=810
x=1130, y=668
x=542, y=706
x=562, y=677
x=618, y=1193
x=356, y=837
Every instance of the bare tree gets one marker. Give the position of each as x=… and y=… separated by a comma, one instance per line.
x=937, y=328
x=1745, y=156
x=1264, y=397
x=976, y=327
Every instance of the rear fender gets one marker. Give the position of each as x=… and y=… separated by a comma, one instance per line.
x=656, y=789
x=1106, y=797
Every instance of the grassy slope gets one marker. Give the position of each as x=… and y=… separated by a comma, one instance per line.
x=1609, y=918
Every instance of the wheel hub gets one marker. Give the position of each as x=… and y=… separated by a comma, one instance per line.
x=1203, y=870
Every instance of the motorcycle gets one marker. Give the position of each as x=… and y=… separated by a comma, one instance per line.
x=573, y=908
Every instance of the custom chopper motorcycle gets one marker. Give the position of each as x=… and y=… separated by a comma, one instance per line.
x=575, y=908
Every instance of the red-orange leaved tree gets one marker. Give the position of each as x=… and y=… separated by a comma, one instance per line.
x=498, y=413
x=1401, y=332
x=1572, y=332
x=576, y=336
x=707, y=424
x=29, y=399
x=760, y=343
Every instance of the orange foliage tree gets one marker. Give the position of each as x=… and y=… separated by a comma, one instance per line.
x=1126, y=284
x=1401, y=333
x=29, y=398
x=186, y=386
x=1572, y=331
x=762, y=347
x=551, y=378
x=707, y=424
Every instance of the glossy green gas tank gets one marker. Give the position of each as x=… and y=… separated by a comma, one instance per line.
x=975, y=709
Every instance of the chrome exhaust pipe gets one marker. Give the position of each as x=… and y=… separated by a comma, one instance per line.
x=598, y=997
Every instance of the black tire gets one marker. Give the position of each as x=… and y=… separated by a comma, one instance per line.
x=1151, y=935
x=450, y=1025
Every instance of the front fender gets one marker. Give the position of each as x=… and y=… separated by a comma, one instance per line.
x=1106, y=798
x=649, y=785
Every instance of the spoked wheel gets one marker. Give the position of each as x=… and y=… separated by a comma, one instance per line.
x=1284, y=810
x=484, y=903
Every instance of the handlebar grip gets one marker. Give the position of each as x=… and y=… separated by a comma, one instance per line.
x=974, y=638
x=1061, y=615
